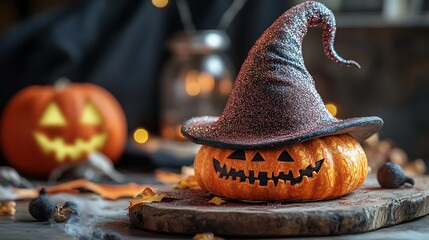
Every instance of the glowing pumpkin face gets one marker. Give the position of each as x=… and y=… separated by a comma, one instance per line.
x=53, y=118
x=44, y=127
x=317, y=169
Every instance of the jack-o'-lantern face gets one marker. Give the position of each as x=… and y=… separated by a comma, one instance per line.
x=317, y=169
x=44, y=127
x=262, y=177
x=53, y=118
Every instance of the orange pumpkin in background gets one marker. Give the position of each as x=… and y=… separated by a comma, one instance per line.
x=317, y=169
x=44, y=127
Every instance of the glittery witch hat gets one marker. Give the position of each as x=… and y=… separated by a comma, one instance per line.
x=274, y=101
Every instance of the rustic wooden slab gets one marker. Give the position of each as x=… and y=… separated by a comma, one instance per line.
x=365, y=209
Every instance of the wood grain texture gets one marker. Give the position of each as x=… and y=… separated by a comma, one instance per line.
x=366, y=209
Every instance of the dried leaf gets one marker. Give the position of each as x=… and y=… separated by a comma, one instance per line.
x=167, y=177
x=110, y=192
x=189, y=183
x=217, y=201
x=25, y=193
x=206, y=236
x=7, y=208
x=147, y=196
x=187, y=171
x=106, y=191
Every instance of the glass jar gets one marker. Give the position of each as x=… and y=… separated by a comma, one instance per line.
x=196, y=80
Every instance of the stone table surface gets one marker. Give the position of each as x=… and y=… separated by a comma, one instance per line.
x=111, y=216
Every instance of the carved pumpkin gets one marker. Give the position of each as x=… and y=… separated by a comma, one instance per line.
x=317, y=169
x=44, y=127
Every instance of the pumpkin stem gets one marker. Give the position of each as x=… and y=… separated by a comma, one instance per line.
x=61, y=83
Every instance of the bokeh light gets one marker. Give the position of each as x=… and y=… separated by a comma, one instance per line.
x=331, y=108
x=191, y=83
x=160, y=3
x=141, y=135
x=206, y=82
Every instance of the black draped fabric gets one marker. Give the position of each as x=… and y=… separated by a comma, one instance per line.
x=120, y=45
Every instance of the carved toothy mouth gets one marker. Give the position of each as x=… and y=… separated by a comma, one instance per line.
x=61, y=149
x=263, y=176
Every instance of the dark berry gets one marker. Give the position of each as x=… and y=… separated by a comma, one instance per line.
x=391, y=175
x=42, y=207
x=111, y=236
x=98, y=234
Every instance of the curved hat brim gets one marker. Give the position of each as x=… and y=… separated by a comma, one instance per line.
x=202, y=130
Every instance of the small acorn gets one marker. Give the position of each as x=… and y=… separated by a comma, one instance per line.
x=69, y=211
x=42, y=207
x=391, y=175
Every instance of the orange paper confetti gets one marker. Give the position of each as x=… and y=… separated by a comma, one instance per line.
x=147, y=196
x=110, y=192
x=206, y=236
x=167, y=177
x=106, y=191
x=7, y=208
x=24, y=193
x=217, y=201
x=188, y=183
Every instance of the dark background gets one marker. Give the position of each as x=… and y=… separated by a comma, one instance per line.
x=121, y=45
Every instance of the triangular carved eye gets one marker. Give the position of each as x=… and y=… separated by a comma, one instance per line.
x=53, y=116
x=90, y=115
x=285, y=157
x=258, y=158
x=238, y=155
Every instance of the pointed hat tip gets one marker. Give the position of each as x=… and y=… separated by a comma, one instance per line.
x=353, y=63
